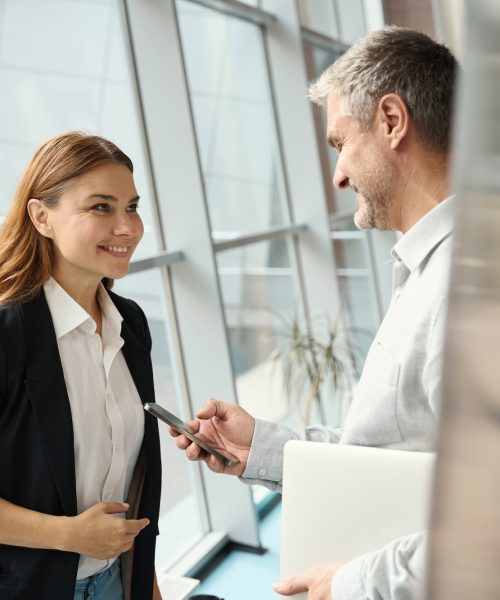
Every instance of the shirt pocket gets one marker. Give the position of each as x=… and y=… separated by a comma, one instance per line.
x=372, y=418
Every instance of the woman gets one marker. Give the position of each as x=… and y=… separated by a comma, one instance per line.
x=80, y=470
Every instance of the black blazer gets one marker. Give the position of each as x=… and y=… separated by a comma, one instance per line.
x=37, y=467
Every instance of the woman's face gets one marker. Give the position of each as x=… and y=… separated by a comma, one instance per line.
x=95, y=227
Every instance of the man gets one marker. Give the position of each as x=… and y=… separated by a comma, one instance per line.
x=389, y=103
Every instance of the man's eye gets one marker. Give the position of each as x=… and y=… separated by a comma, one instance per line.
x=134, y=207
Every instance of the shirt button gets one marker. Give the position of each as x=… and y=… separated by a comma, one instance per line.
x=117, y=447
x=262, y=472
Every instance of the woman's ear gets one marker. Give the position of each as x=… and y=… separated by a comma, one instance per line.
x=394, y=118
x=39, y=216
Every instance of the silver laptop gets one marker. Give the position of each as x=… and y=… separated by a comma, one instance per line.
x=342, y=501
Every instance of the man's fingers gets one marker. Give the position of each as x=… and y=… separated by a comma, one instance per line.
x=173, y=432
x=193, y=451
x=292, y=585
x=193, y=427
x=182, y=442
x=213, y=408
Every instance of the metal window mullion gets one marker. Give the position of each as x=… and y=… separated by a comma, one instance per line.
x=239, y=10
x=194, y=283
x=301, y=157
x=274, y=233
x=319, y=40
x=162, y=259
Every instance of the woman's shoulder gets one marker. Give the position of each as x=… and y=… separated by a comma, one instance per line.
x=129, y=309
x=11, y=318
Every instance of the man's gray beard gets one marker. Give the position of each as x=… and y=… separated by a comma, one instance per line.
x=374, y=214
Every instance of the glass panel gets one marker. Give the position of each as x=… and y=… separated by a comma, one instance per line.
x=182, y=522
x=88, y=86
x=258, y=291
x=320, y=16
x=233, y=114
x=317, y=60
x=357, y=298
x=350, y=253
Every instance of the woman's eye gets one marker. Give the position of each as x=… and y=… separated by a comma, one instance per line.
x=100, y=207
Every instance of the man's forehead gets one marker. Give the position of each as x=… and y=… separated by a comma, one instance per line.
x=336, y=114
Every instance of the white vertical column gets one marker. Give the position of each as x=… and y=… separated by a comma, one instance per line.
x=178, y=180
x=464, y=545
x=301, y=157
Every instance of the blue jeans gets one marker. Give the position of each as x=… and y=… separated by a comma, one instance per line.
x=103, y=586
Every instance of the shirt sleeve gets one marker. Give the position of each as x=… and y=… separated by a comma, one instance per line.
x=265, y=460
x=396, y=572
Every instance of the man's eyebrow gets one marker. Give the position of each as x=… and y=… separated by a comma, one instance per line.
x=110, y=198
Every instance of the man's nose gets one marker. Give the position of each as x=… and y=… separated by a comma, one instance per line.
x=340, y=181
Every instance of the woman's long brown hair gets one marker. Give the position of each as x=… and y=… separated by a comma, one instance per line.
x=26, y=256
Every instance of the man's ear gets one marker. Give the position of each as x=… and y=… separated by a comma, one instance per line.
x=39, y=216
x=394, y=118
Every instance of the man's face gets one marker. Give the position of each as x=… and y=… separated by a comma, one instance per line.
x=362, y=165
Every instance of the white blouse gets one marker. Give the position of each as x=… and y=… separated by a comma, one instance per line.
x=107, y=413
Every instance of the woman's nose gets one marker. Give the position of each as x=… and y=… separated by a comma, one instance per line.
x=127, y=224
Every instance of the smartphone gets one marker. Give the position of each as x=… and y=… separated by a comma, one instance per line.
x=160, y=413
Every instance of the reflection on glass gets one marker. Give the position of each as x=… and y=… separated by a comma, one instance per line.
x=181, y=518
x=86, y=86
x=233, y=114
x=258, y=290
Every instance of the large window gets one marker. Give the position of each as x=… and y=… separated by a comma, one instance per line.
x=65, y=65
x=208, y=99
x=230, y=91
x=363, y=287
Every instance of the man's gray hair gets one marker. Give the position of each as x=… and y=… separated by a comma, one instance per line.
x=395, y=60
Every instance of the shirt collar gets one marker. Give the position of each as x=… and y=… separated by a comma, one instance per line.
x=67, y=314
x=111, y=318
x=419, y=241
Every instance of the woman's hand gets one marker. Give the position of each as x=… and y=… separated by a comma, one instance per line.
x=98, y=533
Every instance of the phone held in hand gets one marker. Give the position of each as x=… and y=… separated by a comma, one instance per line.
x=164, y=415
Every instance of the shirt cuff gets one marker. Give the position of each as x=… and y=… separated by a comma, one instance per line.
x=347, y=583
x=265, y=459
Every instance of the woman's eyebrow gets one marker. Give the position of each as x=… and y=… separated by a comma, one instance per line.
x=110, y=198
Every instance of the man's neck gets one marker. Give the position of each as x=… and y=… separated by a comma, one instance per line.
x=425, y=183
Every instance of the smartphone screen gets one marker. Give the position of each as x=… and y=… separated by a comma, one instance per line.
x=161, y=413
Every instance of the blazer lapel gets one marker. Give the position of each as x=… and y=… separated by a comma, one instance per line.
x=138, y=360
x=49, y=398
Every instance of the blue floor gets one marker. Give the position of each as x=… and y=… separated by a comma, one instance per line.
x=245, y=576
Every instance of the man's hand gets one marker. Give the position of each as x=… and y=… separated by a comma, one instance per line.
x=317, y=582
x=97, y=532
x=227, y=428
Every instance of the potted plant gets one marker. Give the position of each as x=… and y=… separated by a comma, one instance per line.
x=311, y=362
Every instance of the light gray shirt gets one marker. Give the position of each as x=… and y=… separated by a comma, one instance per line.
x=396, y=401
